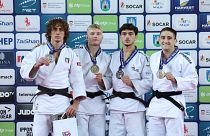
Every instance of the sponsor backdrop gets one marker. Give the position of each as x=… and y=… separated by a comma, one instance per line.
x=22, y=26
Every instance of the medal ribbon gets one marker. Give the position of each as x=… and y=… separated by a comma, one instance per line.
x=173, y=54
x=93, y=59
x=124, y=63
x=53, y=50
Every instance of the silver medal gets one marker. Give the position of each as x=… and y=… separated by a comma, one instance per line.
x=50, y=57
x=94, y=69
x=160, y=74
x=119, y=74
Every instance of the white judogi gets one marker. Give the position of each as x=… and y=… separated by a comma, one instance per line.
x=162, y=111
x=56, y=76
x=129, y=112
x=91, y=112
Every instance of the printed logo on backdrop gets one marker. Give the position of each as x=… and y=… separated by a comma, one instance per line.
x=25, y=94
x=139, y=43
x=204, y=58
x=131, y=6
x=204, y=112
x=107, y=22
x=27, y=6
x=6, y=23
x=158, y=6
x=136, y=20
x=187, y=40
x=27, y=23
x=157, y=22
x=7, y=94
x=152, y=40
x=204, y=5
x=204, y=94
x=20, y=81
x=6, y=7
x=110, y=41
x=24, y=129
x=27, y=40
x=204, y=39
x=77, y=24
x=186, y=22
x=204, y=76
x=7, y=77
x=7, y=128
x=184, y=6
x=204, y=22
x=7, y=112
x=76, y=40
x=7, y=59
x=46, y=18
x=192, y=112
x=79, y=6
x=53, y=6
x=190, y=129
x=204, y=128
x=6, y=41
x=24, y=112
x=19, y=57
x=105, y=6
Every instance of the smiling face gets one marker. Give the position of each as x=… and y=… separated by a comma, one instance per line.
x=167, y=41
x=94, y=37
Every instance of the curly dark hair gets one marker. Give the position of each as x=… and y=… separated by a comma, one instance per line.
x=128, y=26
x=57, y=22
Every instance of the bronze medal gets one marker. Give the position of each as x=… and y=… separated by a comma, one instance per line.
x=160, y=74
x=119, y=74
x=50, y=57
x=94, y=69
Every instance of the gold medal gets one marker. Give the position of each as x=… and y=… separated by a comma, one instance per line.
x=50, y=57
x=94, y=69
x=119, y=74
x=160, y=74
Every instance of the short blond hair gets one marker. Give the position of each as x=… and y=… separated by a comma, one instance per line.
x=94, y=26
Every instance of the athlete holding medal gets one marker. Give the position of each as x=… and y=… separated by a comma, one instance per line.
x=131, y=78
x=97, y=76
x=173, y=72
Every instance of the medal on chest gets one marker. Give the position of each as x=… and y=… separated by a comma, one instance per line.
x=160, y=74
x=94, y=69
x=119, y=74
x=50, y=57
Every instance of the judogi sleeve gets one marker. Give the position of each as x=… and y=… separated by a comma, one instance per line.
x=144, y=85
x=189, y=79
x=76, y=77
x=27, y=64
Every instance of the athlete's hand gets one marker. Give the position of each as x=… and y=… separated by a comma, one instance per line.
x=126, y=80
x=99, y=79
x=170, y=77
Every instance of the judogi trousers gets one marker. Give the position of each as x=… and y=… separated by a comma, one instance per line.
x=160, y=126
x=42, y=125
x=91, y=125
x=127, y=124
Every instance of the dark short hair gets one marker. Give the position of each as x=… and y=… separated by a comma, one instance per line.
x=170, y=30
x=57, y=22
x=128, y=26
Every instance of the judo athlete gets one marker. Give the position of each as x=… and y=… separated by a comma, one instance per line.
x=96, y=72
x=131, y=79
x=173, y=72
x=54, y=67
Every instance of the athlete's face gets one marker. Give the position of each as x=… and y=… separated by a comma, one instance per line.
x=94, y=37
x=167, y=40
x=128, y=37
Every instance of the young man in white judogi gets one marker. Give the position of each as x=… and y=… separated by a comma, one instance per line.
x=131, y=79
x=173, y=72
x=52, y=66
x=96, y=72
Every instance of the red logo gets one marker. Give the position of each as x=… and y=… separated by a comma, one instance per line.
x=67, y=133
x=78, y=64
x=185, y=129
x=1, y=4
x=27, y=22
